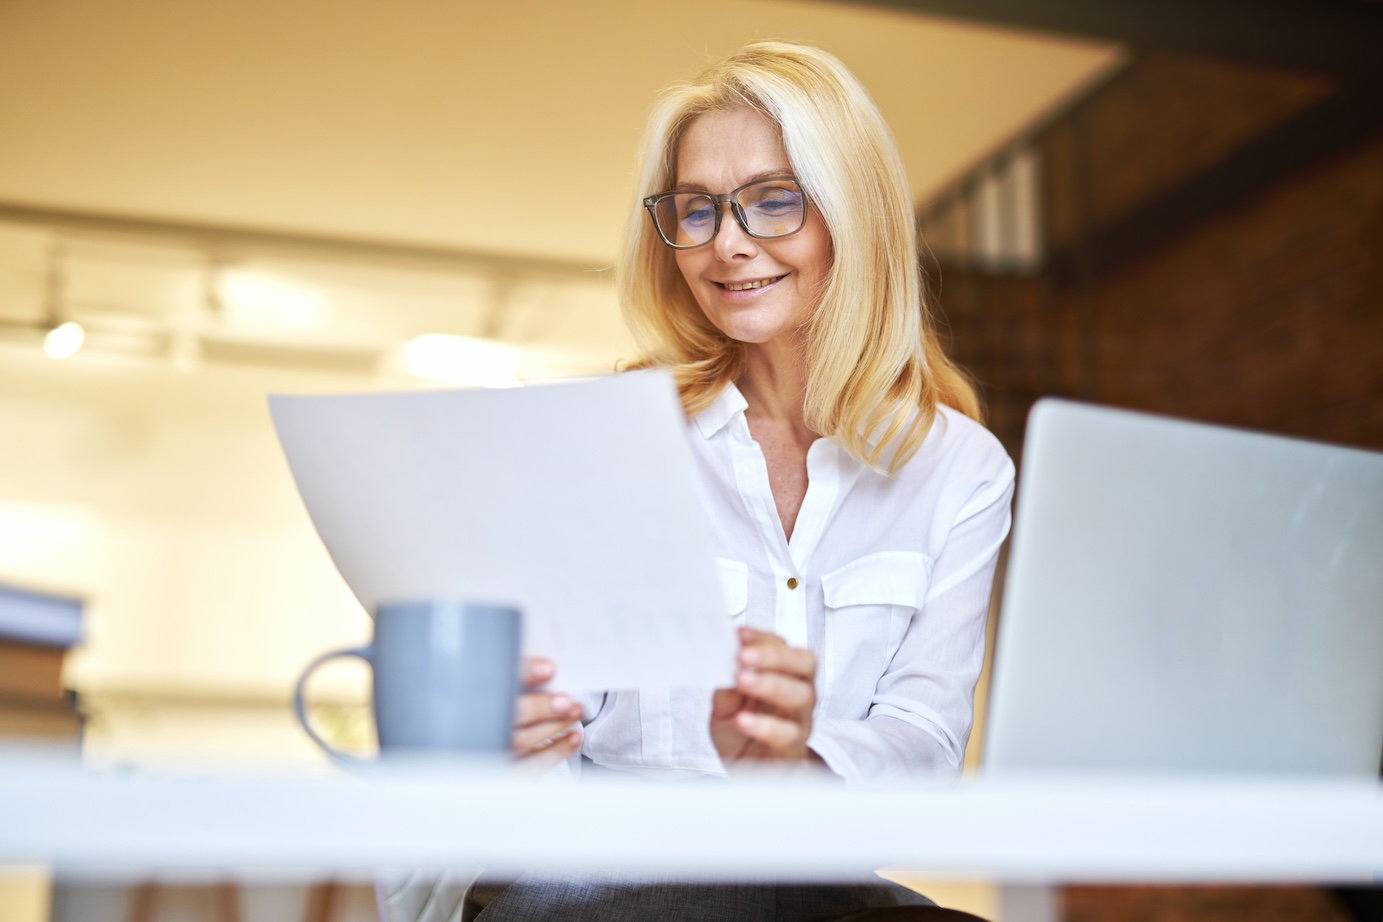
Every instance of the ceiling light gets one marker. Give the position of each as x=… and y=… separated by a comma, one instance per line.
x=461, y=360
x=63, y=340
x=259, y=301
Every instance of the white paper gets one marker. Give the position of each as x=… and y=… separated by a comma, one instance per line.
x=576, y=502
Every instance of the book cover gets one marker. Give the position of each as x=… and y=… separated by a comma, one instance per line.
x=22, y=720
x=31, y=671
x=40, y=618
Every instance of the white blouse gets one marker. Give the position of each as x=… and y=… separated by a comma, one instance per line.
x=886, y=580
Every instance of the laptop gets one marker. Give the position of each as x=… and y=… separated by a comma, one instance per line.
x=1189, y=598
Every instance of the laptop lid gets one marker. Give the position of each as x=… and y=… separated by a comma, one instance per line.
x=1184, y=597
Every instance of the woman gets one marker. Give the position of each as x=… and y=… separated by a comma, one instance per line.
x=857, y=506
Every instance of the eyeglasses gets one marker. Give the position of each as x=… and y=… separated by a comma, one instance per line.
x=766, y=208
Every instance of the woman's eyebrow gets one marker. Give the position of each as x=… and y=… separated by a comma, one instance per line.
x=777, y=173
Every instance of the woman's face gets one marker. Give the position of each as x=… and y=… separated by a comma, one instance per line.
x=753, y=290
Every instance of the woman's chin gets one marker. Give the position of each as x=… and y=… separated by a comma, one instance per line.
x=755, y=337
x=768, y=330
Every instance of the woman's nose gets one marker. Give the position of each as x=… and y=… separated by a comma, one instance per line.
x=732, y=240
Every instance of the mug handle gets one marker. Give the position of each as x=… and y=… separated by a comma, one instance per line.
x=300, y=707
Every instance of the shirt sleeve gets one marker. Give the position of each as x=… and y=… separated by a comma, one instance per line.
x=922, y=710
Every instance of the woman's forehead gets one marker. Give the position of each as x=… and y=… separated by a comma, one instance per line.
x=724, y=149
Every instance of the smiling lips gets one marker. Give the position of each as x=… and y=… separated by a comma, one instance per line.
x=750, y=285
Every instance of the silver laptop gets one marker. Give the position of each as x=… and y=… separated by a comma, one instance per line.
x=1183, y=597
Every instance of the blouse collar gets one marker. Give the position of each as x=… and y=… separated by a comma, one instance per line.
x=727, y=405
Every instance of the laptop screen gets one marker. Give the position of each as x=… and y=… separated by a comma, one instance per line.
x=1183, y=597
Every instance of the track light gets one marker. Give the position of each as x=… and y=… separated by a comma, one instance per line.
x=461, y=360
x=64, y=340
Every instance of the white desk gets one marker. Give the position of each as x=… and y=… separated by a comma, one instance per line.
x=1025, y=833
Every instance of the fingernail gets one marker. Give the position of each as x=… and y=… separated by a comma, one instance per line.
x=748, y=678
x=750, y=657
x=540, y=670
x=574, y=738
x=561, y=704
x=747, y=721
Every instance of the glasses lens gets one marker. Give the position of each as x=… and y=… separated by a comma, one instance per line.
x=687, y=219
x=774, y=208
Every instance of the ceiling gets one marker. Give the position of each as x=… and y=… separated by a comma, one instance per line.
x=501, y=137
x=507, y=128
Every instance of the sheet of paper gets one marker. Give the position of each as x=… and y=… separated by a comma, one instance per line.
x=576, y=502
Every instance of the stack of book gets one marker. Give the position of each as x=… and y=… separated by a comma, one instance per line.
x=36, y=631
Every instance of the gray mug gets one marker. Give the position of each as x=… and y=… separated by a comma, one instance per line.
x=446, y=679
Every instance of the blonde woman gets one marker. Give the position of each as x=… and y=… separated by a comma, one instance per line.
x=857, y=504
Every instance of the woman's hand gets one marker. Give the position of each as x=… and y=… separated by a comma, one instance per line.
x=768, y=714
x=543, y=732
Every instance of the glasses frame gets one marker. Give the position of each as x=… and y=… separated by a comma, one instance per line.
x=730, y=198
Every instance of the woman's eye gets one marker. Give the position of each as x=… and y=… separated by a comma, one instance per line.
x=777, y=201
x=702, y=214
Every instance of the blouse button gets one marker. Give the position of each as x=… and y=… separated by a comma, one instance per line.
x=792, y=582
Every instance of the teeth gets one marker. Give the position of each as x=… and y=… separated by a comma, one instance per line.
x=749, y=286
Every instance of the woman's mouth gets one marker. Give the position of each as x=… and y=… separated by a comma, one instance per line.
x=749, y=284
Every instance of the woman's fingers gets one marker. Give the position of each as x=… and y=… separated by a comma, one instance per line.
x=543, y=731
x=786, y=693
x=540, y=736
x=768, y=713
x=783, y=735
x=543, y=720
x=535, y=670
x=536, y=707
x=725, y=702
x=776, y=675
x=555, y=750
x=770, y=653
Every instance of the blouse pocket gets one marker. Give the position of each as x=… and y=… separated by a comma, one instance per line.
x=734, y=586
x=869, y=604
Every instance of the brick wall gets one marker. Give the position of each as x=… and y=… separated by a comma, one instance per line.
x=1162, y=119
x=1203, y=904
x=1267, y=314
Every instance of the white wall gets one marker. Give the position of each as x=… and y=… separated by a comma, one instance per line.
x=163, y=499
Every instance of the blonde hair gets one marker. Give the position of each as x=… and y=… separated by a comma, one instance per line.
x=875, y=367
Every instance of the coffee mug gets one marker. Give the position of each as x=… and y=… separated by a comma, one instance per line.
x=446, y=679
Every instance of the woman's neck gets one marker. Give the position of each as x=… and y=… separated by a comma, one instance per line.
x=774, y=384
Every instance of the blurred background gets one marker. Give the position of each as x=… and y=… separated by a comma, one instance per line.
x=1172, y=206
x=233, y=199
